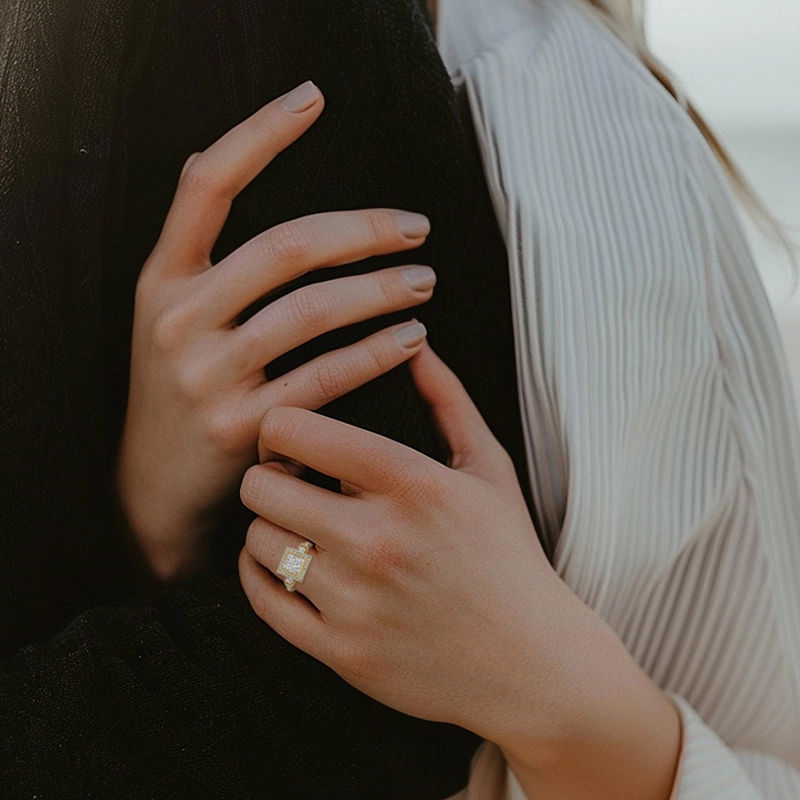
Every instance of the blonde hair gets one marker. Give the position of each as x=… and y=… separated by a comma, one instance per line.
x=626, y=19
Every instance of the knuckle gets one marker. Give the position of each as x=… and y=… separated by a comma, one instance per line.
x=251, y=337
x=384, y=555
x=260, y=603
x=331, y=378
x=309, y=308
x=148, y=283
x=355, y=661
x=287, y=242
x=171, y=327
x=191, y=383
x=225, y=431
x=414, y=483
x=393, y=288
x=373, y=357
x=251, y=490
x=380, y=354
x=189, y=161
x=197, y=177
x=278, y=427
x=258, y=539
x=504, y=462
x=382, y=224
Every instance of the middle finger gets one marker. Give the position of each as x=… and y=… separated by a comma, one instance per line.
x=312, y=512
x=287, y=251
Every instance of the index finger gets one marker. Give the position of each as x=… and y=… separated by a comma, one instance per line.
x=211, y=179
x=365, y=461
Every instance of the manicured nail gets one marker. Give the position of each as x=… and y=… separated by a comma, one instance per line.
x=414, y=226
x=410, y=335
x=420, y=279
x=301, y=98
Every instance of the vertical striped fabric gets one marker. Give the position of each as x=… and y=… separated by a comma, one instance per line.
x=662, y=437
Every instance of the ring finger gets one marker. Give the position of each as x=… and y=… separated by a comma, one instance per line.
x=291, y=559
x=313, y=310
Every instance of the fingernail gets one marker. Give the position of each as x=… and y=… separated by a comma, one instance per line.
x=301, y=98
x=414, y=226
x=419, y=278
x=410, y=335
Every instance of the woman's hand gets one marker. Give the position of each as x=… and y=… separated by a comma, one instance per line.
x=428, y=590
x=198, y=390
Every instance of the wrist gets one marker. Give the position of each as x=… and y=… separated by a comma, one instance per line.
x=172, y=561
x=172, y=545
x=617, y=734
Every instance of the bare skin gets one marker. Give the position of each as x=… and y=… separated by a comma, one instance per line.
x=198, y=391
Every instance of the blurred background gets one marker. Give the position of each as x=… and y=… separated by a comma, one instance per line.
x=739, y=62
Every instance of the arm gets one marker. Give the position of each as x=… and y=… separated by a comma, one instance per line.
x=444, y=606
x=708, y=769
x=626, y=742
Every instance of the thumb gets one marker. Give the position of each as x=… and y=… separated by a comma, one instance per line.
x=472, y=445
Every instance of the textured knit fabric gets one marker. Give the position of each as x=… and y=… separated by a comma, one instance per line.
x=186, y=693
x=662, y=438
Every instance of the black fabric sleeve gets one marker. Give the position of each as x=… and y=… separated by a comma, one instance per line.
x=187, y=694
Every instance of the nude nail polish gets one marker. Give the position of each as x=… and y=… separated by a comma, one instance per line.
x=410, y=335
x=301, y=98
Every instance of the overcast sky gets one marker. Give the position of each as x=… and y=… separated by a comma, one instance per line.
x=738, y=59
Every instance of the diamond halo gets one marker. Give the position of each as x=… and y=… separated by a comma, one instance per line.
x=294, y=565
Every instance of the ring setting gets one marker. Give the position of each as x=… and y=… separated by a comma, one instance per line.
x=294, y=565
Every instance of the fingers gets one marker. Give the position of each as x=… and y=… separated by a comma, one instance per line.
x=308, y=511
x=289, y=614
x=464, y=429
x=313, y=310
x=363, y=460
x=291, y=249
x=210, y=180
x=338, y=372
x=267, y=543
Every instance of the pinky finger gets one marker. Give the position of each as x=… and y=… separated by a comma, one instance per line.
x=289, y=614
x=338, y=372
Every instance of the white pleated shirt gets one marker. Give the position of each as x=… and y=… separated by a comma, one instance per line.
x=662, y=440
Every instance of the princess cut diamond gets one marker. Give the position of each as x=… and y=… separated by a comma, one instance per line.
x=294, y=564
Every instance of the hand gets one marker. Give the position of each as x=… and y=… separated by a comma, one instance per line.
x=198, y=390
x=428, y=590
x=413, y=594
